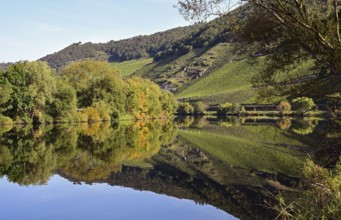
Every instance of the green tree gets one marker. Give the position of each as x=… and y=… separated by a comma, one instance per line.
x=225, y=108
x=41, y=87
x=27, y=90
x=303, y=105
x=64, y=105
x=185, y=108
x=5, y=89
x=16, y=101
x=199, y=108
x=96, y=81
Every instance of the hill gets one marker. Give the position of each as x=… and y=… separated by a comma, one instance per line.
x=199, y=62
x=122, y=50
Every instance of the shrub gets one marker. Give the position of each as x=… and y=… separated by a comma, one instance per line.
x=323, y=196
x=284, y=107
x=284, y=124
x=304, y=127
x=205, y=63
x=225, y=108
x=185, y=108
x=4, y=120
x=199, y=108
x=303, y=104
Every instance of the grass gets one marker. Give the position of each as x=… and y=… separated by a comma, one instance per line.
x=129, y=67
x=171, y=68
x=227, y=77
x=232, y=82
x=249, y=148
x=232, y=79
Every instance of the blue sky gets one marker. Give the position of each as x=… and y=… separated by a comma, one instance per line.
x=31, y=29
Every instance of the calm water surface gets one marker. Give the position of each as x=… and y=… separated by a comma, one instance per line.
x=61, y=199
x=187, y=169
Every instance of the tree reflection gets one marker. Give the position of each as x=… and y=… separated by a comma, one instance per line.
x=304, y=126
x=85, y=152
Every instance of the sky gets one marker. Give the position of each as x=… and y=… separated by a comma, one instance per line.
x=31, y=29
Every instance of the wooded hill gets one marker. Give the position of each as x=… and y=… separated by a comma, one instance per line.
x=122, y=50
x=198, y=49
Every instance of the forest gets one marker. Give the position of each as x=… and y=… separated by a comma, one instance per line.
x=87, y=91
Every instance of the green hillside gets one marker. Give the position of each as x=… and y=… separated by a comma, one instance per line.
x=213, y=75
x=245, y=148
x=129, y=67
x=117, y=51
x=231, y=82
x=180, y=71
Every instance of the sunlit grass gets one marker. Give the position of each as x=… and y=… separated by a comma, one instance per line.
x=231, y=78
x=129, y=67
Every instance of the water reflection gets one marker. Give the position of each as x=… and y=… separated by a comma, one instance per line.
x=234, y=164
x=63, y=200
x=85, y=152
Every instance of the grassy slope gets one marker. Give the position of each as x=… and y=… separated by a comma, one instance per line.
x=227, y=78
x=129, y=67
x=233, y=81
x=246, y=148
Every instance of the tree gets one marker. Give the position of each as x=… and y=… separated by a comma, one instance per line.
x=199, y=108
x=41, y=87
x=284, y=107
x=96, y=81
x=185, y=108
x=5, y=89
x=16, y=100
x=64, y=105
x=290, y=31
x=145, y=98
x=303, y=104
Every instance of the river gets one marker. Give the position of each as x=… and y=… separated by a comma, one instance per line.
x=189, y=168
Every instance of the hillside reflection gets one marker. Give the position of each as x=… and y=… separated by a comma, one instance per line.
x=234, y=164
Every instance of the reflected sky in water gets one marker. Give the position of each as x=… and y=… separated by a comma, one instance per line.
x=61, y=199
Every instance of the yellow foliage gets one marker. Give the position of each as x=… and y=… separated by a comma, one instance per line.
x=90, y=114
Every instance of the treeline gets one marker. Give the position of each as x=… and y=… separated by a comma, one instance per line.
x=122, y=50
x=208, y=35
x=87, y=91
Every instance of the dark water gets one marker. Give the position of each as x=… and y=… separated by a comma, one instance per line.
x=187, y=169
